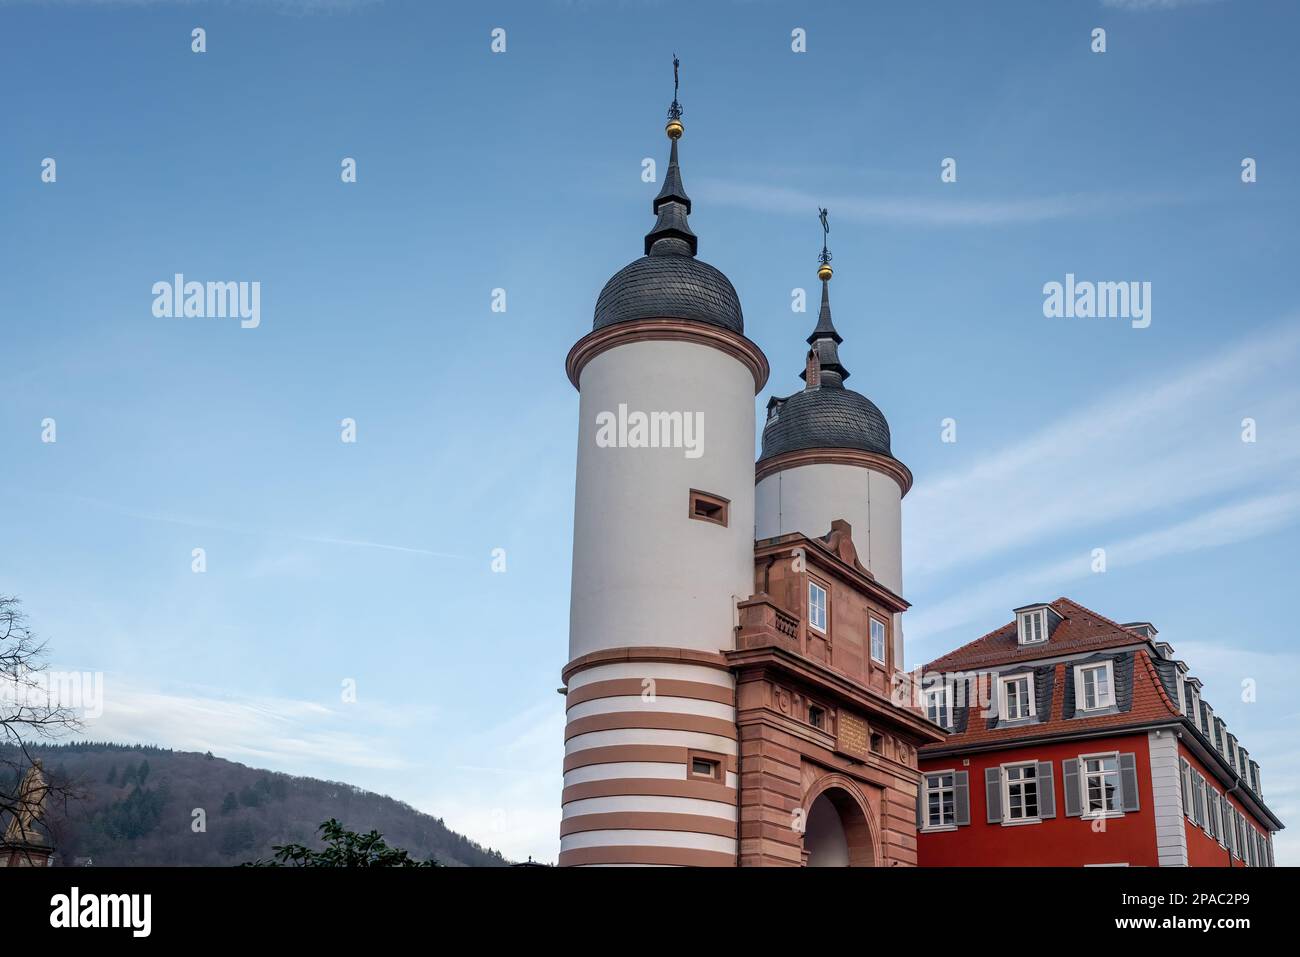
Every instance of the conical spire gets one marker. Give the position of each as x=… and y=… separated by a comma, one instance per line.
x=824, y=354
x=671, y=235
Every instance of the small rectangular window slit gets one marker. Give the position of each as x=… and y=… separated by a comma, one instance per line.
x=707, y=507
x=706, y=766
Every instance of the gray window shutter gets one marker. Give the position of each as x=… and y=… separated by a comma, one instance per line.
x=1128, y=782
x=1185, y=783
x=993, y=794
x=1070, y=781
x=920, y=797
x=961, y=797
x=1046, y=790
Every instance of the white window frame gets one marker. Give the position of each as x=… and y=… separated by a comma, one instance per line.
x=1007, y=819
x=1199, y=796
x=926, y=791
x=1081, y=685
x=1003, y=709
x=871, y=639
x=943, y=707
x=1026, y=629
x=812, y=607
x=1085, y=812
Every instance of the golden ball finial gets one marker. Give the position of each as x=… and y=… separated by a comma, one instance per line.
x=674, y=129
x=824, y=272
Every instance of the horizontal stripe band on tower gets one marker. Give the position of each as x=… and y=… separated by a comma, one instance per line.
x=655, y=803
x=685, y=656
x=650, y=719
x=660, y=704
x=662, y=687
x=671, y=856
x=648, y=821
x=656, y=737
x=660, y=770
x=703, y=790
x=634, y=752
x=666, y=329
x=675, y=670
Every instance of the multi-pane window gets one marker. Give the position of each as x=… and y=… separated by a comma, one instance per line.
x=817, y=606
x=937, y=706
x=1020, y=784
x=1198, y=801
x=1017, y=699
x=878, y=640
x=1033, y=627
x=1101, y=784
x=1095, y=685
x=1212, y=813
x=940, y=798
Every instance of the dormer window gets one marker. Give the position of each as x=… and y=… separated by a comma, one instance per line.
x=1094, y=686
x=938, y=705
x=1033, y=626
x=1017, y=698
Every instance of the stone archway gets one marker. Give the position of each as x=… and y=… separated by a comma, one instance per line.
x=838, y=828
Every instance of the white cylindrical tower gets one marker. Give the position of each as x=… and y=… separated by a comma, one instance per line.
x=826, y=456
x=663, y=546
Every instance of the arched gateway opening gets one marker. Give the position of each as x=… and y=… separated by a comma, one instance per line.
x=836, y=832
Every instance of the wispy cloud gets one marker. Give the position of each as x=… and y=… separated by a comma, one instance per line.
x=1144, y=447
x=276, y=733
x=285, y=6
x=925, y=211
x=239, y=529
x=1154, y=4
x=989, y=600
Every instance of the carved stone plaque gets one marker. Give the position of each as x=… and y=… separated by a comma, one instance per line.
x=853, y=735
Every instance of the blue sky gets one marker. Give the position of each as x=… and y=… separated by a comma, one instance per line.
x=371, y=561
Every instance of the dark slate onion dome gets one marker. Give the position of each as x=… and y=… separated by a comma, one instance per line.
x=825, y=415
x=668, y=282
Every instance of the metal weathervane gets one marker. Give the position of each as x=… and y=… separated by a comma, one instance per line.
x=825, y=257
x=675, y=111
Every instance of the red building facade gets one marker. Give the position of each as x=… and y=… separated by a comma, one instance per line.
x=1077, y=741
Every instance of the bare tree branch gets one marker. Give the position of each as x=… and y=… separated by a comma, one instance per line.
x=31, y=711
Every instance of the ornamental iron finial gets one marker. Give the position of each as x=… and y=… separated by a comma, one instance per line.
x=825, y=257
x=675, y=111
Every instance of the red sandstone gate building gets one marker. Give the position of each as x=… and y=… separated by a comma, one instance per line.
x=1077, y=741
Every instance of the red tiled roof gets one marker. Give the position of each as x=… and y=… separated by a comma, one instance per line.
x=1082, y=630
x=1150, y=704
